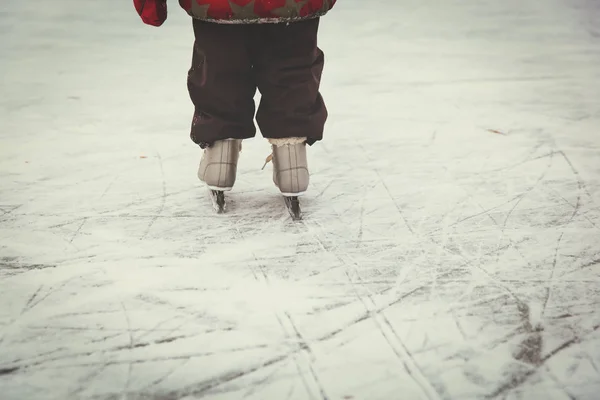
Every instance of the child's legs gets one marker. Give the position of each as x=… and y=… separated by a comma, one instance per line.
x=221, y=84
x=288, y=66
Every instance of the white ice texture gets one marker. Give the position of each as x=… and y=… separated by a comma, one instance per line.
x=451, y=241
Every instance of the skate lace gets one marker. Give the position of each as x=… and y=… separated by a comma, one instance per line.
x=267, y=160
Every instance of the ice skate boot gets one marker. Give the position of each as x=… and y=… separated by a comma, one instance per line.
x=290, y=171
x=218, y=169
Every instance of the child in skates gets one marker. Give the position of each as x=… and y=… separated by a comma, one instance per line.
x=241, y=46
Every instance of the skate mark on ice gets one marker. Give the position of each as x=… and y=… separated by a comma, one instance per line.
x=592, y=363
x=29, y=305
x=526, y=159
x=359, y=237
x=166, y=375
x=302, y=376
x=516, y=381
x=316, y=378
x=558, y=383
x=576, y=210
x=394, y=341
x=521, y=196
x=130, y=346
x=303, y=346
x=204, y=386
x=367, y=315
x=83, y=382
x=76, y=233
x=302, y=343
x=168, y=337
x=306, y=348
x=322, y=192
x=432, y=138
x=577, y=339
x=163, y=198
x=157, y=326
x=580, y=183
x=362, y=213
x=8, y=370
x=7, y=211
x=261, y=382
x=35, y=299
x=394, y=202
x=146, y=200
x=109, y=186
x=23, y=360
x=512, y=244
x=478, y=214
x=518, y=199
x=398, y=208
x=42, y=364
x=502, y=284
x=290, y=392
x=550, y=283
x=592, y=263
x=10, y=266
x=327, y=249
x=458, y=325
x=530, y=349
x=60, y=224
x=392, y=303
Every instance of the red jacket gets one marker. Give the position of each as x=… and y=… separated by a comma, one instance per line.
x=154, y=12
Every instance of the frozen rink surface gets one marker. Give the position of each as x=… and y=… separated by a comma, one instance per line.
x=451, y=241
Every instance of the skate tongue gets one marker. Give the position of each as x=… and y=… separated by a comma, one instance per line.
x=267, y=160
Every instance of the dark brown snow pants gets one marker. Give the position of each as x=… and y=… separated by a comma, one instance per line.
x=231, y=61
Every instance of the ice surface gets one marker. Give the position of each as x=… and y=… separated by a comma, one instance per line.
x=451, y=241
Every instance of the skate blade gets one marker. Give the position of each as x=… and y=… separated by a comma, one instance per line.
x=218, y=201
x=293, y=206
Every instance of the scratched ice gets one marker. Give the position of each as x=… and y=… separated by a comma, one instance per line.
x=451, y=243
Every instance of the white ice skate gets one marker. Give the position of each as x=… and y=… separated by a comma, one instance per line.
x=290, y=171
x=218, y=169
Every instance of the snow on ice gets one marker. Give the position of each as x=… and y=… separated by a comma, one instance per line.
x=451, y=241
